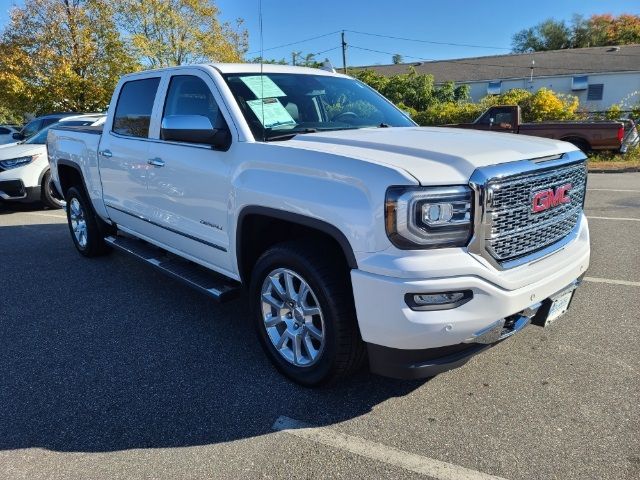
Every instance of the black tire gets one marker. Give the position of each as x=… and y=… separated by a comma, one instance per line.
x=343, y=352
x=46, y=193
x=94, y=245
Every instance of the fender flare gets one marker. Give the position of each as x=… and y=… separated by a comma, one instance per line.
x=298, y=219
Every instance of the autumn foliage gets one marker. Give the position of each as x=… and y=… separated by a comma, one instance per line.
x=67, y=55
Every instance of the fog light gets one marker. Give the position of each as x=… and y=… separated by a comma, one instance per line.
x=437, y=301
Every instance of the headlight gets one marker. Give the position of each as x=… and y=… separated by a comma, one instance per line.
x=17, y=162
x=434, y=217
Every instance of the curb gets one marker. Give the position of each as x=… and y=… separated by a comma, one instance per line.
x=615, y=170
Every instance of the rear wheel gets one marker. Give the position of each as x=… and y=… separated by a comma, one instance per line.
x=47, y=194
x=580, y=143
x=304, y=315
x=83, y=225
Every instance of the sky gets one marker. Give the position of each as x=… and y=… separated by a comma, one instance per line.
x=485, y=26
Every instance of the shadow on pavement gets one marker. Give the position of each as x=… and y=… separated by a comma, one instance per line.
x=106, y=354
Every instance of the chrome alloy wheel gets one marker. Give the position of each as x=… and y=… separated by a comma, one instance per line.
x=292, y=317
x=78, y=222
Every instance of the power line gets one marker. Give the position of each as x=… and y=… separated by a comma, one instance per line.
x=573, y=51
x=296, y=42
x=426, y=41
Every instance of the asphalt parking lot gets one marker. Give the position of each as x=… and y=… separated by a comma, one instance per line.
x=110, y=370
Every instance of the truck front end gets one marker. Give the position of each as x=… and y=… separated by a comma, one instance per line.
x=472, y=265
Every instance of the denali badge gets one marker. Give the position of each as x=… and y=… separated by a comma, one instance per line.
x=546, y=199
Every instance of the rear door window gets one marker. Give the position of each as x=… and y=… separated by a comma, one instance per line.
x=135, y=104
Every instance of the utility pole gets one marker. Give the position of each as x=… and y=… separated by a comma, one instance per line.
x=293, y=58
x=344, y=54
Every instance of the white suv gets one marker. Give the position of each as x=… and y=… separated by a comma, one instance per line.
x=24, y=169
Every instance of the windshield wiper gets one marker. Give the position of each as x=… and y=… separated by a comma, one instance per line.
x=290, y=135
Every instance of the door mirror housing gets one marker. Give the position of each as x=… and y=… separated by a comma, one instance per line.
x=18, y=136
x=194, y=129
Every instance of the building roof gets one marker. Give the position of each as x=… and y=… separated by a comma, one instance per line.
x=624, y=58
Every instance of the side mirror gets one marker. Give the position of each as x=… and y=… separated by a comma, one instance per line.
x=194, y=129
x=18, y=136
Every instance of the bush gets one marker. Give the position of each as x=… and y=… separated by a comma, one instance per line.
x=429, y=104
x=546, y=105
x=449, y=112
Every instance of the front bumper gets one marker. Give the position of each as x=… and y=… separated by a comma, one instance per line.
x=14, y=190
x=415, y=364
x=400, y=336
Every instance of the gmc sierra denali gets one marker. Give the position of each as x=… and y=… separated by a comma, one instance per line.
x=356, y=234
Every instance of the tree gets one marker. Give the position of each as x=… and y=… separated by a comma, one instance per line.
x=595, y=31
x=397, y=59
x=271, y=61
x=61, y=55
x=548, y=35
x=176, y=32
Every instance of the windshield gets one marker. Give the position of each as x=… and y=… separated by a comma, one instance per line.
x=300, y=103
x=40, y=138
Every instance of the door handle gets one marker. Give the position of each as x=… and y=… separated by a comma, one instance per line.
x=106, y=153
x=156, y=162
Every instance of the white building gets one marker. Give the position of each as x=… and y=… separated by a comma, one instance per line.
x=599, y=76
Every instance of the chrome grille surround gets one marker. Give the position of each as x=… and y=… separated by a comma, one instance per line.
x=507, y=232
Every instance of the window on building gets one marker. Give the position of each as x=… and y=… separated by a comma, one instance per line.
x=595, y=91
x=494, y=88
x=580, y=82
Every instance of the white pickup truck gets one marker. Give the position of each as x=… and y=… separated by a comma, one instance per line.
x=356, y=234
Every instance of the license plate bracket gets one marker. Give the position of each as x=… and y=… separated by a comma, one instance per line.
x=555, y=306
x=559, y=306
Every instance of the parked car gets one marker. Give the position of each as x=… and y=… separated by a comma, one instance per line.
x=24, y=169
x=357, y=233
x=586, y=135
x=6, y=134
x=37, y=124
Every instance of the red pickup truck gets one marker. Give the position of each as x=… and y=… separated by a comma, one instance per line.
x=586, y=135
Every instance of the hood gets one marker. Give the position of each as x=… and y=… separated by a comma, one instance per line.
x=433, y=155
x=22, y=150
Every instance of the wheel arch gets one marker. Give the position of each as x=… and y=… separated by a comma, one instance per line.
x=578, y=140
x=70, y=174
x=252, y=218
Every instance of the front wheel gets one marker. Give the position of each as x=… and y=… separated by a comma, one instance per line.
x=304, y=314
x=47, y=194
x=83, y=225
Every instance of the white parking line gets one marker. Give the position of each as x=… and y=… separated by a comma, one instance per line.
x=614, y=218
x=611, y=281
x=377, y=451
x=40, y=214
x=611, y=190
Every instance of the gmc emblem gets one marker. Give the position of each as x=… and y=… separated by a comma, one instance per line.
x=546, y=199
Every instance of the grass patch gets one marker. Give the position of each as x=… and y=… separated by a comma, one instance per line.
x=615, y=161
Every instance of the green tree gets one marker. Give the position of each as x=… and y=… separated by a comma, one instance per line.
x=548, y=35
x=397, y=59
x=595, y=31
x=176, y=32
x=61, y=55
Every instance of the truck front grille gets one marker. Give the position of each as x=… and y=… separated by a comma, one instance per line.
x=508, y=228
x=515, y=229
